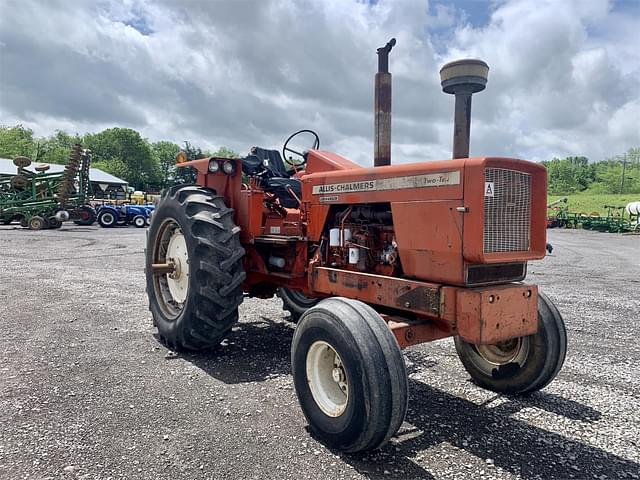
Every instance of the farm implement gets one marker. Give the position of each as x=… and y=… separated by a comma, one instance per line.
x=619, y=219
x=370, y=259
x=39, y=200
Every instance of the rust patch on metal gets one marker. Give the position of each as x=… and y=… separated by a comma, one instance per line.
x=420, y=298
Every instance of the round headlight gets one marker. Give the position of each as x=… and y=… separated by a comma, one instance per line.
x=213, y=166
x=229, y=167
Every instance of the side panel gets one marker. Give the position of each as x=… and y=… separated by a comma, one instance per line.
x=440, y=180
x=429, y=237
x=249, y=214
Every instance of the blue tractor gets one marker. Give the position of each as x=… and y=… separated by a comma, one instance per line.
x=120, y=215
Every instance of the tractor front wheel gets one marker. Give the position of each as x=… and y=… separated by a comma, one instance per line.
x=194, y=268
x=295, y=302
x=523, y=364
x=139, y=221
x=349, y=375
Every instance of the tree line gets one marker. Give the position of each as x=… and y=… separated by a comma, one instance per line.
x=618, y=174
x=123, y=152
x=150, y=166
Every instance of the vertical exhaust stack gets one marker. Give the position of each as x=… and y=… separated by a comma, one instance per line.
x=463, y=78
x=382, y=108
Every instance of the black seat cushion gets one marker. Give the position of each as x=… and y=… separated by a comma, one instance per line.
x=254, y=163
x=278, y=186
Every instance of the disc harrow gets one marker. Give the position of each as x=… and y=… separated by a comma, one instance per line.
x=51, y=197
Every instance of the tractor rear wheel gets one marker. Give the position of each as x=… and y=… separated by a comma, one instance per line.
x=349, y=375
x=523, y=364
x=295, y=302
x=107, y=219
x=194, y=268
x=87, y=216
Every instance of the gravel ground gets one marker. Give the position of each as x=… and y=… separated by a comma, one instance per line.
x=86, y=391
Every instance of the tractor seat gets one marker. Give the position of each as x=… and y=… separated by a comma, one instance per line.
x=278, y=186
x=262, y=159
x=278, y=178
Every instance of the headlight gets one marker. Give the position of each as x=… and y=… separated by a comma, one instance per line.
x=229, y=167
x=213, y=166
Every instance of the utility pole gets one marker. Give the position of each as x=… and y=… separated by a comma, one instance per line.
x=624, y=168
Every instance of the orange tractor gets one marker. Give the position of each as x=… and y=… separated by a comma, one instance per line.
x=369, y=261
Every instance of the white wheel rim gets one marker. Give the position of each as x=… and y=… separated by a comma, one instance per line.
x=108, y=218
x=327, y=379
x=178, y=280
x=140, y=222
x=489, y=357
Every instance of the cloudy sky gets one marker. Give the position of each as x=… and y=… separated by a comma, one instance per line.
x=564, y=78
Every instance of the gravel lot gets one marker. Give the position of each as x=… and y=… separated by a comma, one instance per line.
x=86, y=391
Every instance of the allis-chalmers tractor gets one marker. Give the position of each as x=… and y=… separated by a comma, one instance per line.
x=369, y=261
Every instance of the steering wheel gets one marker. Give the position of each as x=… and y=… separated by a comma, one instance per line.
x=285, y=149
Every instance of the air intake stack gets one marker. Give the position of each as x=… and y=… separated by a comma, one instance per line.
x=463, y=78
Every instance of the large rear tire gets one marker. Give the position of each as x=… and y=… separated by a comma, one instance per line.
x=349, y=375
x=196, y=305
x=107, y=219
x=521, y=365
x=296, y=302
x=87, y=216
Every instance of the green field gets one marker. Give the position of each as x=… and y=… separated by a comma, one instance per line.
x=590, y=202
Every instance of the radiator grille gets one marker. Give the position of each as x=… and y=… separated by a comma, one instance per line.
x=507, y=213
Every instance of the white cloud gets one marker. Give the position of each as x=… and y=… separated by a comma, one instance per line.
x=563, y=77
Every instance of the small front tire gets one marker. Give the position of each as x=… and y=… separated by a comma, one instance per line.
x=139, y=221
x=521, y=365
x=349, y=375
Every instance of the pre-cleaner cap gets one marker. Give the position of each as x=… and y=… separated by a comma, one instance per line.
x=464, y=76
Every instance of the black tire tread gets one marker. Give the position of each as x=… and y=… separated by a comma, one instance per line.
x=291, y=305
x=215, y=282
x=372, y=337
x=552, y=333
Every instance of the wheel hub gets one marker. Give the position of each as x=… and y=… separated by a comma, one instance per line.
x=327, y=379
x=177, y=254
x=505, y=352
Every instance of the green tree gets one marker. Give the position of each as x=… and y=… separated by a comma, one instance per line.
x=57, y=147
x=17, y=140
x=165, y=156
x=123, y=152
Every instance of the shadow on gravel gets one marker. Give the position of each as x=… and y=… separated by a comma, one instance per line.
x=252, y=352
x=436, y=417
x=256, y=351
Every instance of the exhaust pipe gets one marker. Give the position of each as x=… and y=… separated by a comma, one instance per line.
x=463, y=78
x=382, y=108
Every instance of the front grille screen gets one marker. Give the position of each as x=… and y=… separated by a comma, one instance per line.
x=507, y=210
